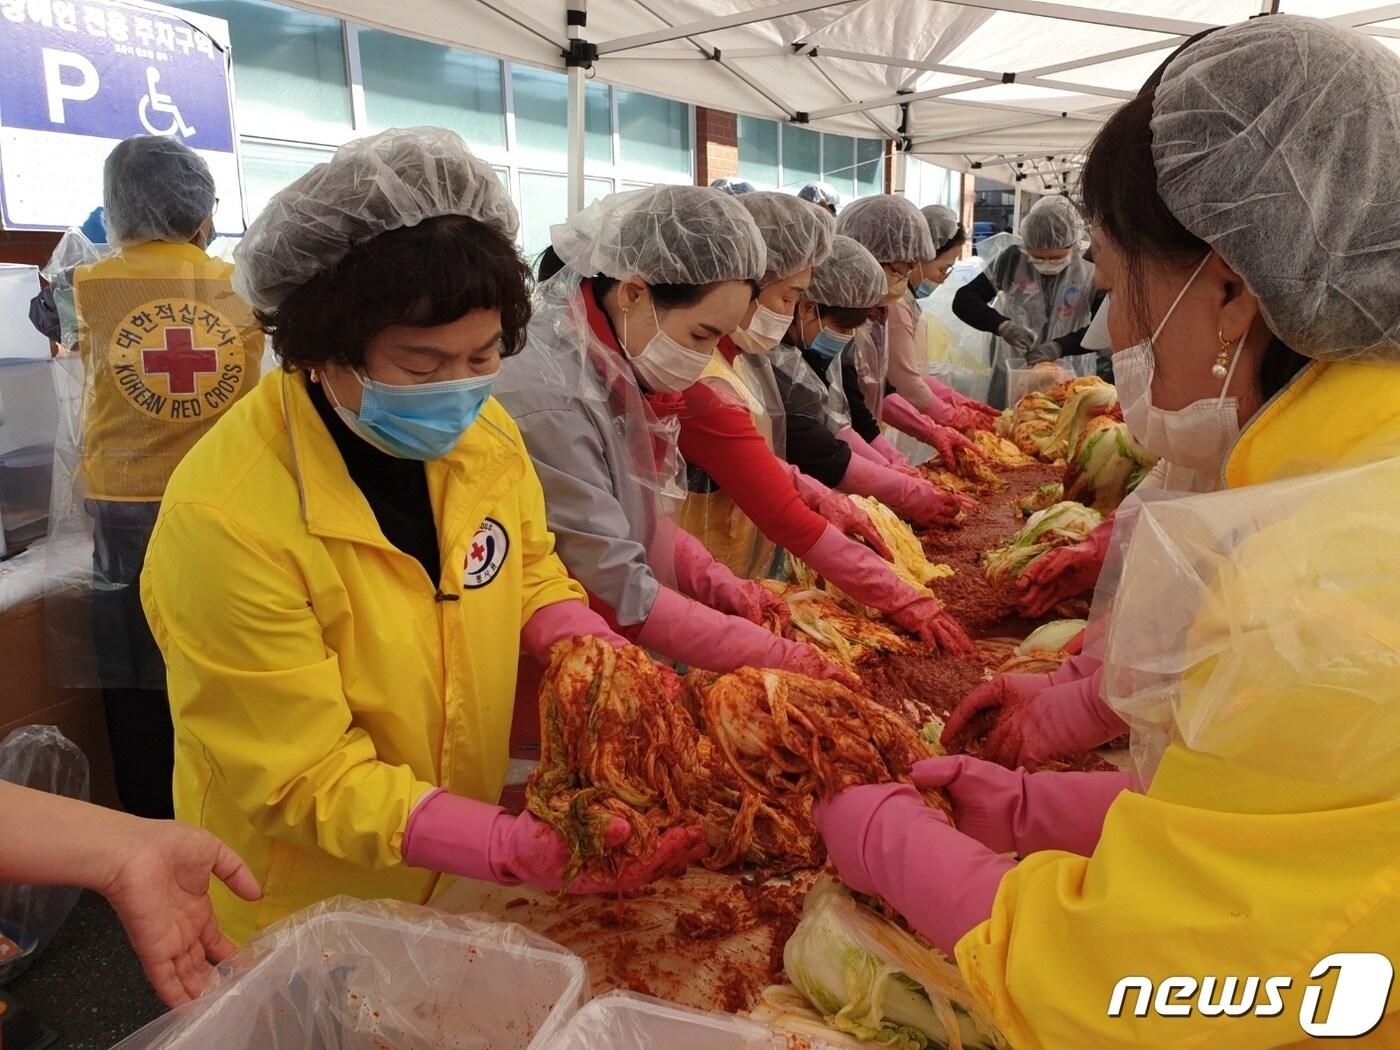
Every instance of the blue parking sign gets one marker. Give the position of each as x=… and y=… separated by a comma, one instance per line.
x=79, y=76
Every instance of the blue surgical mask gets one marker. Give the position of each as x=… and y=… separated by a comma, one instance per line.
x=925, y=289
x=829, y=344
x=423, y=421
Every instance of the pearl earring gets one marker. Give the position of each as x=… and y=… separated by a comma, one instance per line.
x=1221, y=368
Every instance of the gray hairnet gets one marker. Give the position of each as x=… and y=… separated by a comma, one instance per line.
x=820, y=193
x=1274, y=142
x=372, y=185
x=796, y=234
x=850, y=276
x=664, y=235
x=155, y=188
x=891, y=227
x=1052, y=222
x=943, y=224
x=733, y=187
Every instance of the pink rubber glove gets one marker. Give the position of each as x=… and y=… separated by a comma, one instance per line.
x=862, y=575
x=1012, y=811
x=1064, y=573
x=461, y=836
x=1038, y=722
x=694, y=634
x=706, y=580
x=839, y=511
x=946, y=441
x=950, y=395
x=964, y=419
x=571, y=619
x=893, y=456
x=914, y=499
x=883, y=839
x=860, y=447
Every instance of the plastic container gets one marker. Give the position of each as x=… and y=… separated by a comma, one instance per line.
x=1023, y=379
x=639, y=1022
x=381, y=975
x=25, y=476
x=42, y=758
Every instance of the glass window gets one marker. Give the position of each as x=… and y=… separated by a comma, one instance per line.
x=839, y=164
x=410, y=82
x=289, y=68
x=758, y=151
x=544, y=201
x=802, y=160
x=541, y=102
x=870, y=167
x=654, y=132
x=267, y=168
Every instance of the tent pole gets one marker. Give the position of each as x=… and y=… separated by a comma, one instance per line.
x=575, y=116
x=1016, y=206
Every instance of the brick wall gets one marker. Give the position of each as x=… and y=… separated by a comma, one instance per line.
x=716, y=145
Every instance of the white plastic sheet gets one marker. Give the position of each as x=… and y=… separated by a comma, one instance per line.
x=638, y=1022
x=355, y=975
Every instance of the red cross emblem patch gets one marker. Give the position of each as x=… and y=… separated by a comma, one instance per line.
x=486, y=554
x=179, y=360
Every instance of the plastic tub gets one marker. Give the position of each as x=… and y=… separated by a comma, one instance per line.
x=351, y=975
x=25, y=476
x=1023, y=379
x=638, y=1022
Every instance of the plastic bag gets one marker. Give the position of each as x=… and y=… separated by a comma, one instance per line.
x=363, y=975
x=42, y=758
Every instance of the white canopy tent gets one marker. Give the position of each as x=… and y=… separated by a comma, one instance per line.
x=1005, y=87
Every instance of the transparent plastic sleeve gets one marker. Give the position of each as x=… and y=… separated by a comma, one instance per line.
x=42, y=758
x=871, y=357
x=1259, y=626
x=353, y=975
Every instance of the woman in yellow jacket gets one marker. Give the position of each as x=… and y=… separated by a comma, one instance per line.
x=344, y=571
x=1244, y=889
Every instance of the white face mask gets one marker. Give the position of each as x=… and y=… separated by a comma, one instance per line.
x=765, y=331
x=663, y=364
x=1050, y=267
x=1197, y=437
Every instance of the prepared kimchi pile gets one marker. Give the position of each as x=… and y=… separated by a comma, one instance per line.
x=742, y=755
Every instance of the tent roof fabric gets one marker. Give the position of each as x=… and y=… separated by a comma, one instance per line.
x=987, y=83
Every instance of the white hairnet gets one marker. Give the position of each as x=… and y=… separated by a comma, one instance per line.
x=943, y=224
x=733, y=187
x=155, y=188
x=820, y=193
x=664, y=235
x=1274, y=142
x=1052, y=222
x=891, y=227
x=850, y=277
x=372, y=185
x=796, y=234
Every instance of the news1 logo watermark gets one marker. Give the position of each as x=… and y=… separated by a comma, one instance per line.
x=1359, y=996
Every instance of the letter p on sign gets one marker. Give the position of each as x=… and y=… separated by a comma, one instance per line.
x=58, y=90
x=1363, y=987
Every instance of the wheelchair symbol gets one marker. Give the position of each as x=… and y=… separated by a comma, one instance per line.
x=156, y=101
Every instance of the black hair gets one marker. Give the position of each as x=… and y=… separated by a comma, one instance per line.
x=425, y=275
x=667, y=296
x=847, y=316
x=1118, y=187
x=956, y=241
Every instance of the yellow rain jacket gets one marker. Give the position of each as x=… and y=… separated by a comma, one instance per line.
x=320, y=682
x=1269, y=837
